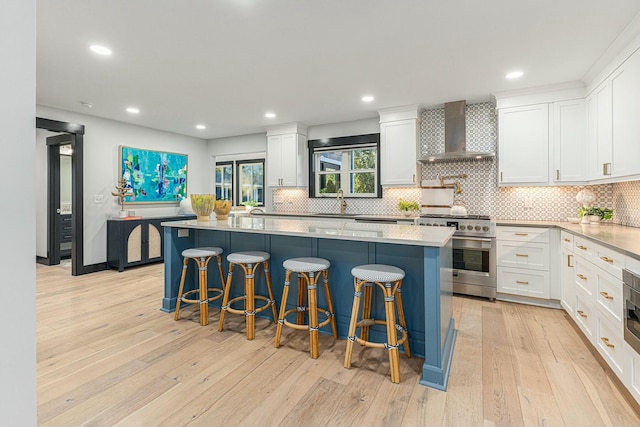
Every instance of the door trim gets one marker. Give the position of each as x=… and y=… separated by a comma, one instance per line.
x=77, y=171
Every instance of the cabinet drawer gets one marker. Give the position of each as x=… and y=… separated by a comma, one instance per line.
x=609, y=342
x=530, y=283
x=523, y=255
x=584, y=316
x=611, y=261
x=583, y=247
x=609, y=296
x=585, y=276
x=524, y=234
x=567, y=240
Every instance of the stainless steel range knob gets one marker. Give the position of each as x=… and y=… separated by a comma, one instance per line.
x=485, y=228
x=462, y=227
x=477, y=228
x=443, y=225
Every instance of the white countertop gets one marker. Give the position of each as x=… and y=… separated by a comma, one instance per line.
x=618, y=237
x=403, y=234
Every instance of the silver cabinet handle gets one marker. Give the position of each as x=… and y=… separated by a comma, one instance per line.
x=606, y=169
x=557, y=174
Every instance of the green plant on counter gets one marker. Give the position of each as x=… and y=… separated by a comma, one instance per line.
x=603, y=213
x=250, y=203
x=407, y=206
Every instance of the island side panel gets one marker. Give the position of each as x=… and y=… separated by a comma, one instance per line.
x=409, y=259
x=173, y=247
x=440, y=327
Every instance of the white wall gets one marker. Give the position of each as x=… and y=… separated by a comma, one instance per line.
x=17, y=218
x=101, y=144
x=335, y=130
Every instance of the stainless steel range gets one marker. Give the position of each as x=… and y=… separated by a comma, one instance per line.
x=474, y=252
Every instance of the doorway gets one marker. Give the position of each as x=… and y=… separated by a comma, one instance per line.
x=59, y=197
x=72, y=136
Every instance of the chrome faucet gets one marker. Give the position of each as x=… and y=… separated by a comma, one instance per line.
x=340, y=197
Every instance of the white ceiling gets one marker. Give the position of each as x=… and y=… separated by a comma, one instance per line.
x=224, y=63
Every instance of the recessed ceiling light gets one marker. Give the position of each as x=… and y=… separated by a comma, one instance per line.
x=133, y=110
x=270, y=115
x=201, y=127
x=514, y=74
x=100, y=50
x=86, y=104
x=367, y=98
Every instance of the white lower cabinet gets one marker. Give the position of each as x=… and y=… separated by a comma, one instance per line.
x=599, y=304
x=523, y=261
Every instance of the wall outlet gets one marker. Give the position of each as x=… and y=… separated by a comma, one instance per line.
x=183, y=232
x=528, y=203
x=98, y=198
x=278, y=199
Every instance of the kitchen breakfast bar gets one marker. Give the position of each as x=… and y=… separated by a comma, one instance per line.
x=424, y=253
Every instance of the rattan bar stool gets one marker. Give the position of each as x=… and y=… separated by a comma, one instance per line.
x=308, y=270
x=201, y=256
x=389, y=279
x=249, y=262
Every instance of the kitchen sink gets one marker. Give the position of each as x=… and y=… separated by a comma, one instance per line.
x=333, y=215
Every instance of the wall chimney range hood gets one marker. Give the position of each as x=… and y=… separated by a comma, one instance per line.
x=455, y=137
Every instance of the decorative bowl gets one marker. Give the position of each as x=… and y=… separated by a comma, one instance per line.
x=202, y=205
x=222, y=209
x=575, y=220
x=594, y=219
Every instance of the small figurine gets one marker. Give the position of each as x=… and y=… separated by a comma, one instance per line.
x=122, y=192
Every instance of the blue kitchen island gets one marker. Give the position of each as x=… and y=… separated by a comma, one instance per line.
x=424, y=253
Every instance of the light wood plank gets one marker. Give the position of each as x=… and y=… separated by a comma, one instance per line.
x=106, y=355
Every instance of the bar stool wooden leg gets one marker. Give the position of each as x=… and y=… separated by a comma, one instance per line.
x=204, y=293
x=249, y=302
x=301, y=292
x=327, y=292
x=225, y=299
x=181, y=288
x=272, y=299
x=283, y=308
x=403, y=322
x=313, y=314
x=392, y=339
x=351, y=336
x=366, y=311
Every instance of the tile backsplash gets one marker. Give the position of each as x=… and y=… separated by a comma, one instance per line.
x=480, y=189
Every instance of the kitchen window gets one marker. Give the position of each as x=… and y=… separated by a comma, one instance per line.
x=241, y=181
x=348, y=163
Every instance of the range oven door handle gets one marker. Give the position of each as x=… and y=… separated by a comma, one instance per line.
x=471, y=243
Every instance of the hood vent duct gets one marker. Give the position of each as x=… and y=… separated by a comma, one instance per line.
x=455, y=137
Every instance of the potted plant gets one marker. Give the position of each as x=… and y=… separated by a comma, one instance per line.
x=407, y=207
x=594, y=214
x=250, y=203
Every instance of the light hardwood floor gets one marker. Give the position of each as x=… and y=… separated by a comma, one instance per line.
x=106, y=356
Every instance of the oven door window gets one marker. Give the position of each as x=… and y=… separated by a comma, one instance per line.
x=471, y=259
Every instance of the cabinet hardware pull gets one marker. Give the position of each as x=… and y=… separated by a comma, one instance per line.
x=525, y=255
x=567, y=240
x=606, y=342
x=522, y=234
x=606, y=295
x=414, y=178
x=584, y=248
x=521, y=282
x=583, y=277
x=569, y=261
x=500, y=176
x=606, y=259
x=581, y=313
x=557, y=174
x=606, y=169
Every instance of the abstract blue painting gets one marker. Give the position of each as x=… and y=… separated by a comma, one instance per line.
x=153, y=176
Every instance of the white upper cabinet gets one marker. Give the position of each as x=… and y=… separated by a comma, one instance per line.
x=523, y=148
x=613, y=124
x=399, y=129
x=625, y=120
x=287, y=156
x=569, y=141
x=599, y=132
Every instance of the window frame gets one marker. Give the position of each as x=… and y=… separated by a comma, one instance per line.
x=235, y=178
x=343, y=143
